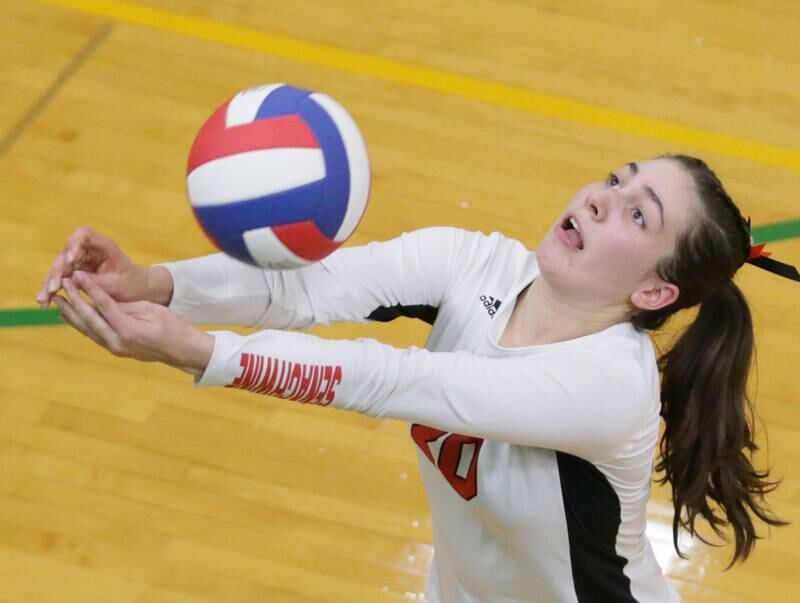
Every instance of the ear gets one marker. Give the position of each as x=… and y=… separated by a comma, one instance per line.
x=655, y=295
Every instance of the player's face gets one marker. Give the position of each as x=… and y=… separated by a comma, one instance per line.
x=606, y=245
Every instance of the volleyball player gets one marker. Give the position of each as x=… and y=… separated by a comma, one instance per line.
x=535, y=406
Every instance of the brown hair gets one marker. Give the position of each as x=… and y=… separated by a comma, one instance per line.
x=708, y=442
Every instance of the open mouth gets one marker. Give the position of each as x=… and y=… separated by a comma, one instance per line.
x=572, y=231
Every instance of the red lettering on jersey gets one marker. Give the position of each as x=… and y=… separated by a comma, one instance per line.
x=283, y=380
x=313, y=385
x=269, y=378
x=325, y=379
x=292, y=380
x=255, y=377
x=244, y=363
x=336, y=379
x=457, y=458
x=302, y=386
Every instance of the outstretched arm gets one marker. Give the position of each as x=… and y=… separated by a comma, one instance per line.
x=584, y=402
x=414, y=269
x=579, y=402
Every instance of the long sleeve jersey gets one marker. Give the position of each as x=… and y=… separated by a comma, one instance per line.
x=537, y=461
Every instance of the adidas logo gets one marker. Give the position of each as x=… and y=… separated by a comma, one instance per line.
x=491, y=304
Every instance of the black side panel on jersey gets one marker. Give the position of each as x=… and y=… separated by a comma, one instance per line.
x=593, y=517
x=387, y=313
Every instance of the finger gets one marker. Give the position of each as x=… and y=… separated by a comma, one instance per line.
x=96, y=325
x=76, y=253
x=108, y=308
x=77, y=240
x=73, y=319
x=42, y=297
x=61, y=268
x=53, y=275
x=82, y=243
x=117, y=326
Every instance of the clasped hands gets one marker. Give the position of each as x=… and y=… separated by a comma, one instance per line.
x=121, y=306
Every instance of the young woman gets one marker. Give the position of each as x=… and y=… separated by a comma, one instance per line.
x=536, y=403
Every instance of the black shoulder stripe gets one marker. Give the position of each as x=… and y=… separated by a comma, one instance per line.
x=387, y=313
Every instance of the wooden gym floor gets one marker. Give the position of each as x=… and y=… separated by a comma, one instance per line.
x=119, y=482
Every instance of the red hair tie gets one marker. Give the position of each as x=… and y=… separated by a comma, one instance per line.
x=757, y=251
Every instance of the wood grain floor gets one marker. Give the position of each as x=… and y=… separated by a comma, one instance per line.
x=120, y=482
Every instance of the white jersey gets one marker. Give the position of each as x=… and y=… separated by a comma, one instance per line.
x=537, y=461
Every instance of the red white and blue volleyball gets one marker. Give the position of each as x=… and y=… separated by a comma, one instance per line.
x=279, y=176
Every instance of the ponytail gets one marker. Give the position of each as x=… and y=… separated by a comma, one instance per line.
x=707, y=445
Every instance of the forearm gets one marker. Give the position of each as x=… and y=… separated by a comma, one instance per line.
x=213, y=289
x=529, y=401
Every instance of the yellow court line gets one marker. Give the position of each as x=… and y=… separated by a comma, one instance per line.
x=425, y=77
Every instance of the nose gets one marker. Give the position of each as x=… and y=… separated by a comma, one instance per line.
x=598, y=203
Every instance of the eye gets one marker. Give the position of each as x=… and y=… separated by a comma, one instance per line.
x=638, y=217
x=612, y=179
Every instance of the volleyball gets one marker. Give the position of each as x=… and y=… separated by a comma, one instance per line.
x=278, y=176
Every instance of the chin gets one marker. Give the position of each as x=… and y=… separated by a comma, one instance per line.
x=553, y=266
x=551, y=256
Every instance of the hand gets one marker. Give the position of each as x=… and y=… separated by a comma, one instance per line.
x=123, y=280
x=141, y=330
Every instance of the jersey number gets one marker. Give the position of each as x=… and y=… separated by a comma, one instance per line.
x=455, y=455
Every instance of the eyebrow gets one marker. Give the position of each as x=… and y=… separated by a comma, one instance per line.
x=651, y=194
